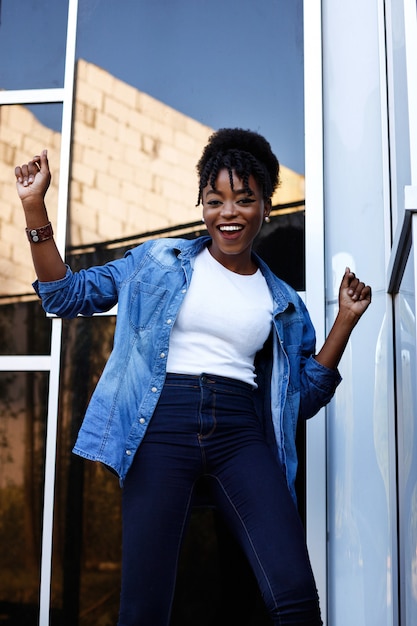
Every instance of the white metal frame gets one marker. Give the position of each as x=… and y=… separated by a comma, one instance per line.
x=50, y=363
x=51, y=433
x=31, y=96
x=410, y=21
x=389, y=192
x=316, y=504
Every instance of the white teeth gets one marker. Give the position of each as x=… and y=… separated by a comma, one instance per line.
x=231, y=227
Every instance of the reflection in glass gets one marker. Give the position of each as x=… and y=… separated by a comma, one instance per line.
x=407, y=438
x=22, y=135
x=32, y=39
x=86, y=559
x=148, y=95
x=24, y=328
x=219, y=63
x=22, y=448
x=133, y=164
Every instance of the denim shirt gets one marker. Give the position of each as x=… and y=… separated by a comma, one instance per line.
x=149, y=284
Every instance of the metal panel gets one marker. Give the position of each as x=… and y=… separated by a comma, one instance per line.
x=46, y=561
x=315, y=292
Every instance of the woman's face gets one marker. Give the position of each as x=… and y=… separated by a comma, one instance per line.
x=233, y=219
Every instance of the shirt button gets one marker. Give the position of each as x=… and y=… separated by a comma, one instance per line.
x=183, y=291
x=128, y=452
x=169, y=321
x=154, y=389
x=162, y=355
x=142, y=420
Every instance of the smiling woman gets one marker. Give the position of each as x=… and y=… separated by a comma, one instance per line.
x=143, y=108
x=238, y=175
x=124, y=95
x=182, y=399
x=233, y=217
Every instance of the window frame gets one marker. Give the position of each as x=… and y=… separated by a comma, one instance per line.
x=315, y=290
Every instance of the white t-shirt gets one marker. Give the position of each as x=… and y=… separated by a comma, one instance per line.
x=224, y=320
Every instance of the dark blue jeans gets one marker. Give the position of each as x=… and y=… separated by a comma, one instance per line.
x=207, y=426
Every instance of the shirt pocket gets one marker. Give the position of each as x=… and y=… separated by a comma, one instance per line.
x=146, y=302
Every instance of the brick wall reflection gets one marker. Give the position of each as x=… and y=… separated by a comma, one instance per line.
x=132, y=169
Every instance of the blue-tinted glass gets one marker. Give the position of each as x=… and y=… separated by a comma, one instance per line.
x=222, y=63
x=152, y=82
x=32, y=43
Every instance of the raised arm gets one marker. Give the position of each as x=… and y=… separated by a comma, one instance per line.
x=32, y=182
x=354, y=299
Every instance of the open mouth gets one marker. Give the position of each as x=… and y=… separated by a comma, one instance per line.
x=230, y=228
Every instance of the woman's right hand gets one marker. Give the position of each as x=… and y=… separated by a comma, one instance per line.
x=32, y=182
x=33, y=179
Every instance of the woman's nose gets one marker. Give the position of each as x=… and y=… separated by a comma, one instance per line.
x=228, y=208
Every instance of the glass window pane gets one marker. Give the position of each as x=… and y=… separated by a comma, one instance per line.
x=24, y=132
x=24, y=328
x=151, y=88
x=86, y=561
x=398, y=101
x=22, y=449
x=407, y=439
x=32, y=39
x=244, y=69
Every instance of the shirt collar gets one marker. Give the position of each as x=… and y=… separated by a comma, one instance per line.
x=189, y=248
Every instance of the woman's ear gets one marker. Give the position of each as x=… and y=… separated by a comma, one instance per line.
x=267, y=208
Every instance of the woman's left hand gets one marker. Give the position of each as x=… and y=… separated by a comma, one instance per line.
x=354, y=295
x=354, y=299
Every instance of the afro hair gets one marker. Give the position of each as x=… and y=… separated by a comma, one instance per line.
x=243, y=151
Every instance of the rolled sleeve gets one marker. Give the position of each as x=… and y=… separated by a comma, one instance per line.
x=80, y=293
x=318, y=386
x=43, y=288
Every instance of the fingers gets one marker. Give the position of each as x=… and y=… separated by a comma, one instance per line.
x=25, y=174
x=44, y=163
x=356, y=289
x=361, y=292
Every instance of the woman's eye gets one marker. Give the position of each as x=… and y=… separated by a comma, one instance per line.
x=213, y=202
x=246, y=201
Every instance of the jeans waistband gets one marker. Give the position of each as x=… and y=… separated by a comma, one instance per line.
x=210, y=379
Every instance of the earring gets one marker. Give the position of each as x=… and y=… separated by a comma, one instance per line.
x=267, y=219
x=202, y=219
